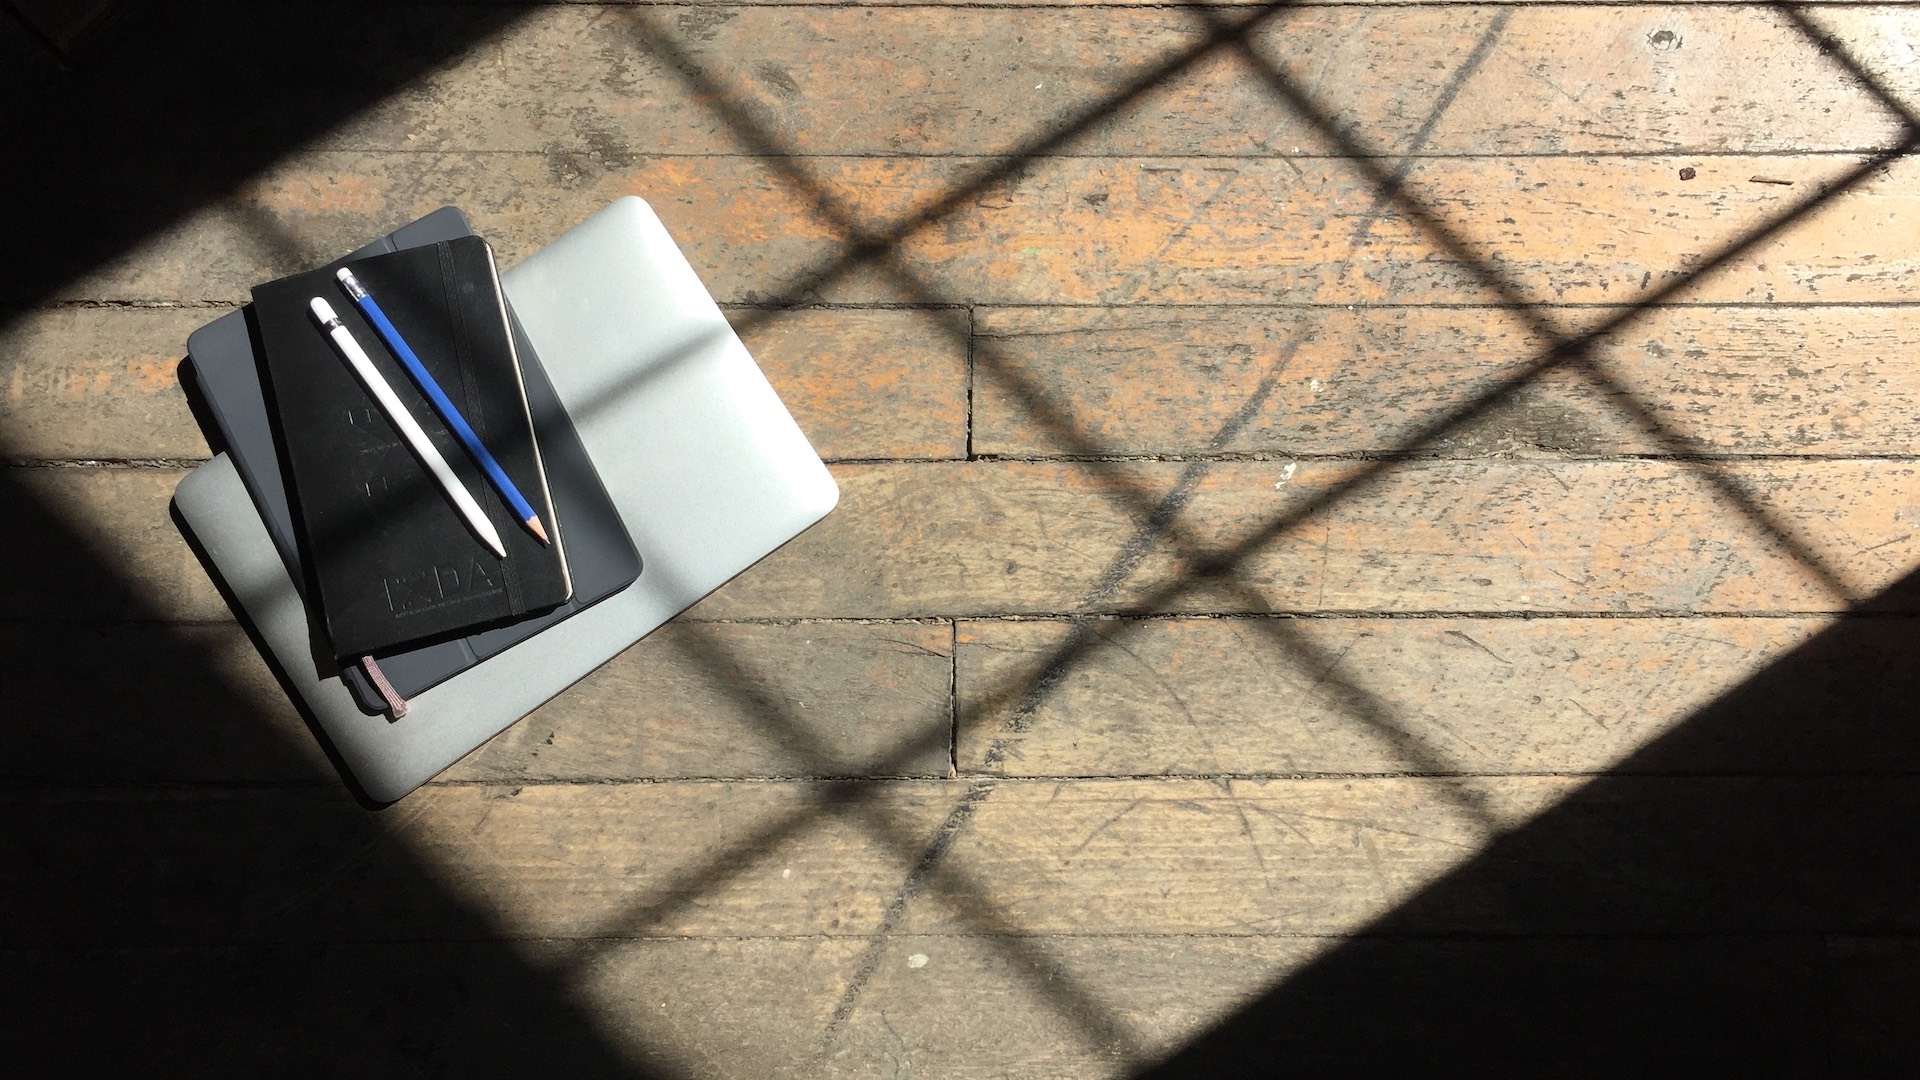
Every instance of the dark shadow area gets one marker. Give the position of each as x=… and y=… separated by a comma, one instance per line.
x=162, y=109
x=1739, y=897
x=186, y=887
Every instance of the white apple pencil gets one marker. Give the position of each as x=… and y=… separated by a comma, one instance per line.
x=409, y=428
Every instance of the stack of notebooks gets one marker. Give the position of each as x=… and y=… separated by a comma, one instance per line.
x=407, y=588
x=454, y=474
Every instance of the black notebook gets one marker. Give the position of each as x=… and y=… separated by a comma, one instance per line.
x=226, y=372
x=389, y=558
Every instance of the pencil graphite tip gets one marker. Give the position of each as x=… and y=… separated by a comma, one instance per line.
x=537, y=529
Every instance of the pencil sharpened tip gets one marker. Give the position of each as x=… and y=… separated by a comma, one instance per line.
x=537, y=529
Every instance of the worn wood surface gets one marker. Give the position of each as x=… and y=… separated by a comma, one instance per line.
x=581, y=79
x=1563, y=536
x=1240, y=696
x=1091, y=855
x=103, y=383
x=1185, y=230
x=1145, y=997
x=984, y=538
x=815, y=699
x=1571, y=732
x=712, y=700
x=1745, y=380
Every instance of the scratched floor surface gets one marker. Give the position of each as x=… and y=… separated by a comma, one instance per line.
x=1372, y=534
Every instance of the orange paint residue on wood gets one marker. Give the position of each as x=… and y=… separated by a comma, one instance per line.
x=84, y=384
x=102, y=377
x=152, y=374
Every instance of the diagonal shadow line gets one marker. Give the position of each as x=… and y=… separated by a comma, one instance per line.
x=1358, y=700
x=1225, y=562
x=1388, y=186
x=1566, y=347
x=1162, y=516
x=1104, y=1029
x=1222, y=562
x=1725, y=484
x=1388, y=189
x=273, y=238
x=1830, y=47
x=1374, y=713
x=855, y=799
x=1214, y=565
x=1365, y=704
x=724, y=866
x=931, y=861
x=1159, y=518
x=1160, y=523
x=862, y=246
x=1162, y=520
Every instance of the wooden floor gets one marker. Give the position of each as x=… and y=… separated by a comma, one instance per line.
x=1374, y=536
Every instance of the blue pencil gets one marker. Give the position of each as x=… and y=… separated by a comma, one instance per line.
x=448, y=414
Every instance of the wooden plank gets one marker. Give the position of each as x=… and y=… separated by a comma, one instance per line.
x=1092, y=1005
x=598, y=84
x=830, y=699
x=940, y=540
x=1620, y=855
x=1610, y=536
x=967, y=1006
x=1080, y=230
x=1241, y=696
x=992, y=1007
x=596, y=860
x=1522, y=856
x=815, y=699
x=681, y=1008
x=1335, y=381
x=867, y=384
x=100, y=383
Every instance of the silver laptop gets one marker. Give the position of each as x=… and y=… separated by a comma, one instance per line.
x=705, y=465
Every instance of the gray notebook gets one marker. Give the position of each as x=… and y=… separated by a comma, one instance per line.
x=706, y=468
